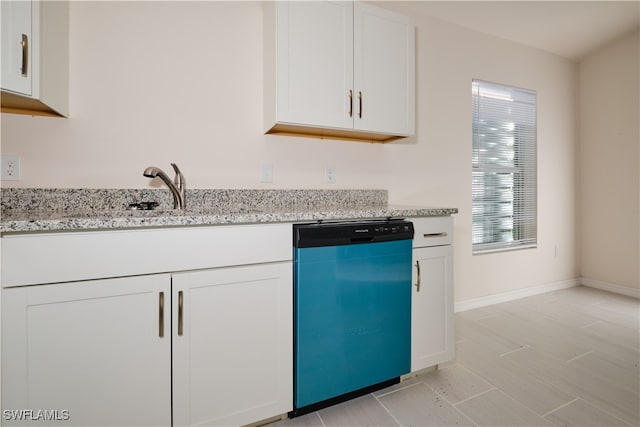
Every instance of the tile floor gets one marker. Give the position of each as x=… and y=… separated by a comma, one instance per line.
x=564, y=358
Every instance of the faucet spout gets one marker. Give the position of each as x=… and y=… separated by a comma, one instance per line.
x=178, y=187
x=180, y=184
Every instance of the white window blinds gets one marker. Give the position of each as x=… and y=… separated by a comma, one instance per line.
x=504, y=207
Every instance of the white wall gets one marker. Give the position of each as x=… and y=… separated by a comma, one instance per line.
x=609, y=162
x=438, y=169
x=156, y=82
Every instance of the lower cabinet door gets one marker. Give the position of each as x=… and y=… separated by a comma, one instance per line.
x=232, y=344
x=432, y=317
x=87, y=353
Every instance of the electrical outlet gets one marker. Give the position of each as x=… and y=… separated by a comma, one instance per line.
x=330, y=174
x=266, y=173
x=10, y=168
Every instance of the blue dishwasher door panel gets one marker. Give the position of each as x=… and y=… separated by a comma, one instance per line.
x=353, y=318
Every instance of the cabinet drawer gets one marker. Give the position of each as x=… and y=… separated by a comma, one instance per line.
x=432, y=231
x=30, y=259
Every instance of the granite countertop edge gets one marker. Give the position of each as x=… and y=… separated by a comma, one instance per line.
x=60, y=221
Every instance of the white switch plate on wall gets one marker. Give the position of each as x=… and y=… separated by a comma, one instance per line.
x=10, y=168
x=330, y=174
x=266, y=173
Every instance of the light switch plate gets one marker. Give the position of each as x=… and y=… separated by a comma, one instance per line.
x=266, y=173
x=10, y=168
x=330, y=174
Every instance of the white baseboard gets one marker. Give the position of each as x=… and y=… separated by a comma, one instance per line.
x=513, y=295
x=611, y=287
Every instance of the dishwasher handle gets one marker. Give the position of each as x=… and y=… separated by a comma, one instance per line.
x=366, y=239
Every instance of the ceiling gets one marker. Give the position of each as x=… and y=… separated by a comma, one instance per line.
x=570, y=29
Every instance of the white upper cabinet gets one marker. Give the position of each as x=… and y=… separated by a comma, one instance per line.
x=338, y=69
x=314, y=75
x=35, y=57
x=16, y=46
x=384, y=71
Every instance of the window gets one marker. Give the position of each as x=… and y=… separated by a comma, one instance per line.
x=503, y=190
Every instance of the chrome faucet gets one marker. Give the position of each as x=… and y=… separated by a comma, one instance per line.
x=178, y=187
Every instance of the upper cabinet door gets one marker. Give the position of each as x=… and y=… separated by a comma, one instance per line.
x=384, y=68
x=314, y=64
x=338, y=70
x=35, y=57
x=16, y=46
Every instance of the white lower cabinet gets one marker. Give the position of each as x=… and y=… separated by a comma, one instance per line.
x=232, y=344
x=113, y=352
x=87, y=353
x=432, y=316
x=97, y=332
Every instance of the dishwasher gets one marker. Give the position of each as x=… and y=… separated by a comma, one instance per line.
x=352, y=309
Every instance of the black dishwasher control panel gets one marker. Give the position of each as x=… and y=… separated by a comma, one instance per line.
x=350, y=233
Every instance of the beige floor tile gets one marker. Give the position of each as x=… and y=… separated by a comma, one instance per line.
x=601, y=392
x=495, y=408
x=363, y=411
x=621, y=356
x=601, y=367
x=580, y=413
x=563, y=313
x=489, y=340
x=604, y=340
x=477, y=313
x=603, y=311
x=626, y=305
x=455, y=383
x=523, y=310
x=615, y=334
x=581, y=295
x=546, y=333
x=420, y=406
x=308, y=420
x=504, y=374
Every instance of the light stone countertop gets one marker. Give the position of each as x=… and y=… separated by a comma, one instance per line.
x=236, y=207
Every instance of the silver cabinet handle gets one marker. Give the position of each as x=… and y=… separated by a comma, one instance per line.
x=180, y=313
x=350, y=103
x=161, y=315
x=417, y=285
x=360, y=103
x=430, y=235
x=25, y=55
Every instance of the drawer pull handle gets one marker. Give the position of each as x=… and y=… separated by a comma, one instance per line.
x=180, y=313
x=161, y=316
x=350, y=103
x=360, y=104
x=24, y=43
x=417, y=285
x=430, y=235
